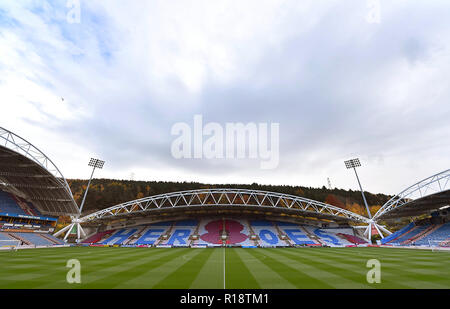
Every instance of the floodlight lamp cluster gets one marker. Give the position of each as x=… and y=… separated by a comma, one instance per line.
x=96, y=163
x=352, y=163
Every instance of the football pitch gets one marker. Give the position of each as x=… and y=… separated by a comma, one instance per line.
x=218, y=268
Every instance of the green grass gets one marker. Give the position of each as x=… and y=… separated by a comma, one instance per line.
x=288, y=268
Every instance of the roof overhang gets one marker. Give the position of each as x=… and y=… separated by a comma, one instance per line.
x=225, y=199
x=422, y=197
x=29, y=173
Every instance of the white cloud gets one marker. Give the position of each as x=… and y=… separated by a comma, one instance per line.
x=339, y=86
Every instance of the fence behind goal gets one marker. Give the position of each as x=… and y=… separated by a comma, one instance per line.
x=9, y=243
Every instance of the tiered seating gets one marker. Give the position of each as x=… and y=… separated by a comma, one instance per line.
x=329, y=236
x=96, y=237
x=438, y=235
x=345, y=236
x=9, y=205
x=237, y=232
x=52, y=238
x=26, y=207
x=35, y=238
x=119, y=237
x=153, y=232
x=4, y=237
x=352, y=238
x=411, y=234
x=181, y=232
x=394, y=236
x=267, y=233
x=295, y=234
x=209, y=231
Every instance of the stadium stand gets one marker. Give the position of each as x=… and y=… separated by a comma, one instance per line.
x=9, y=205
x=439, y=234
x=53, y=239
x=181, y=231
x=267, y=233
x=295, y=234
x=246, y=233
x=352, y=238
x=394, y=236
x=237, y=232
x=97, y=237
x=152, y=233
x=35, y=239
x=119, y=237
x=5, y=237
x=410, y=235
x=227, y=231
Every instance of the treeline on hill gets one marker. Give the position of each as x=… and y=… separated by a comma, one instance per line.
x=104, y=193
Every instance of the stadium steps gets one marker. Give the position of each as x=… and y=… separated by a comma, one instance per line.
x=197, y=229
x=17, y=237
x=287, y=240
x=168, y=233
x=252, y=232
x=423, y=234
x=133, y=238
x=311, y=236
x=50, y=239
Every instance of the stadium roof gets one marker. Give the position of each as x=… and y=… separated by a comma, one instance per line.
x=29, y=173
x=424, y=196
x=226, y=199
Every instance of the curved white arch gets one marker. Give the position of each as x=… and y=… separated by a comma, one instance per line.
x=225, y=197
x=434, y=184
x=20, y=145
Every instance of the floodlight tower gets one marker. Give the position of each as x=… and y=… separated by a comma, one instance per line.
x=354, y=163
x=95, y=163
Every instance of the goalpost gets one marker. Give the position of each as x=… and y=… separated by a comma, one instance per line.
x=10, y=243
x=436, y=245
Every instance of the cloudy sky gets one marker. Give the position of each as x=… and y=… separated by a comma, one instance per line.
x=343, y=79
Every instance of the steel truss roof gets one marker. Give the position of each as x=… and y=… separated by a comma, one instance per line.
x=27, y=170
x=427, y=187
x=226, y=197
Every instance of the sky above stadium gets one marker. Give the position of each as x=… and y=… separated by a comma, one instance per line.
x=343, y=79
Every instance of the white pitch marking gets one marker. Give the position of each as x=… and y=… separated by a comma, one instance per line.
x=224, y=268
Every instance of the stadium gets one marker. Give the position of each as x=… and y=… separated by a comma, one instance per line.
x=252, y=238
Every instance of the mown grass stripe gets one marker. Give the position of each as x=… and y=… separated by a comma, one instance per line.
x=149, y=267
x=186, y=273
x=58, y=270
x=351, y=270
x=297, y=276
x=324, y=269
x=237, y=274
x=407, y=265
x=136, y=269
x=266, y=277
x=211, y=273
x=151, y=276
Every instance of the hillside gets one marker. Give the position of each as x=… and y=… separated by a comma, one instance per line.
x=104, y=193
